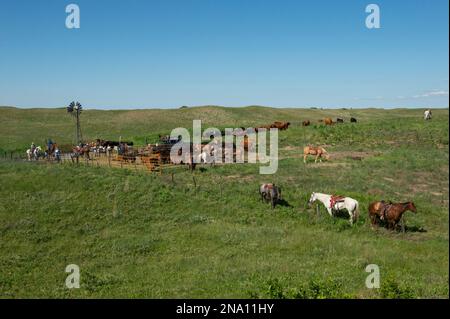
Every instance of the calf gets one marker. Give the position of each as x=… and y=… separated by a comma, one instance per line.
x=306, y=123
x=353, y=120
x=339, y=120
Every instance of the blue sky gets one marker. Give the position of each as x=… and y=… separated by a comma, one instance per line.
x=168, y=53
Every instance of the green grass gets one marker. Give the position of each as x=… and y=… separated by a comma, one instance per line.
x=135, y=234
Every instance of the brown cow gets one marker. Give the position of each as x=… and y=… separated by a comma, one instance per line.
x=306, y=123
x=328, y=121
x=281, y=125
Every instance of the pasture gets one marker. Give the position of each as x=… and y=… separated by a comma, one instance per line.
x=140, y=234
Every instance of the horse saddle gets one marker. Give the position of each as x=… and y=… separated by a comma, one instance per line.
x=385, y=207
x=336, y=199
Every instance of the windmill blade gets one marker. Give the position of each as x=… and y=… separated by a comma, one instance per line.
x=70, y=107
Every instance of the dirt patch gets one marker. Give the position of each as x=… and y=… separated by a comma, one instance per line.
x=426, y=183
x=375, y=192
x=334, y=155
x=328, y=164
x=293, y=148
x=359, y=156
x=240, y=177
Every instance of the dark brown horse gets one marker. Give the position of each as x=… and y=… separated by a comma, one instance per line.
x=390, y=213
x=51, y=150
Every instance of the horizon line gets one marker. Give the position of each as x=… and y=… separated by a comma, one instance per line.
x=120, y=108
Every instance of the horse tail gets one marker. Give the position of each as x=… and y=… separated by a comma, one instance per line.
x=356, y=212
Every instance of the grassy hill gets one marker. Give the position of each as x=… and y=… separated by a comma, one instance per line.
x=20, y=127
x=136, y=234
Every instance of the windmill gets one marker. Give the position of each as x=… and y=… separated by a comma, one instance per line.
x=75, y=109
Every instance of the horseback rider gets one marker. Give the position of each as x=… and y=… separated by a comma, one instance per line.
x=32, y=148
x=57, y=154
x=49, y=145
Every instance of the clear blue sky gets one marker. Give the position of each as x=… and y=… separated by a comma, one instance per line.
x=168, y=53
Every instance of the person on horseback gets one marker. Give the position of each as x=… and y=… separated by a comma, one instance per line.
x=32, y=147
x=57, y=154
x=49, y=145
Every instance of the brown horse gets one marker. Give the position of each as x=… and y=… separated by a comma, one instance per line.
x=389, y=212
x=78, y=151
x=318, y=152
x=51, y=150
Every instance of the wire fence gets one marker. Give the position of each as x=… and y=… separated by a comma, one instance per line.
x=144, y=162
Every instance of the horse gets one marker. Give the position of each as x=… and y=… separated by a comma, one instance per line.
x=51, y=150
x=78, y=151
x=29, y=154
x=207, y=155
x=270, y=192
x=335, y=204
x=427, y=114
x=306, y=123
x=318, y=151
x=353, y=120
x=389, y=212
x=35, y=154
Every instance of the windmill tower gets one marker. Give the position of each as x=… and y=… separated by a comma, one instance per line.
x=75, y=109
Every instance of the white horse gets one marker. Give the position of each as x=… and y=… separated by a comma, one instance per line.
x=427, y=115
x=38, y=152
x=350, y=204
x=207, y=155
x=29, y=154
x=34, y=154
